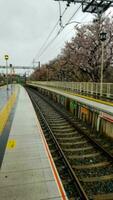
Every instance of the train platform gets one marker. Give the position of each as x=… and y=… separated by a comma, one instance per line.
x=100, y=105
x=27, y=169
x=5, y=94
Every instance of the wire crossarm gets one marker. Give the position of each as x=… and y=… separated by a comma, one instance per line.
x=92, y=6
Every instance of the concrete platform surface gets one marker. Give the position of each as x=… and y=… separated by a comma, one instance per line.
x=26, y=172
x=5, y=95
x=95, y=103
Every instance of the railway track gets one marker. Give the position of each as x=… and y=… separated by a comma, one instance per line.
x=85, y=166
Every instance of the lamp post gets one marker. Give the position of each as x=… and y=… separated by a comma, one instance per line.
x=6, y=59
x=102, y=38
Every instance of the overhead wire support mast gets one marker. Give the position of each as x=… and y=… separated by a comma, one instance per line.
x=92, y=6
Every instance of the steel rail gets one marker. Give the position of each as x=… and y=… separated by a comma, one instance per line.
x=76, y=182
x=104, y=151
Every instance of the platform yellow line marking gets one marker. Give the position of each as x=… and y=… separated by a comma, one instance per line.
x=74, y=94
x=85, y=97
x=90, y=98
x=4, y=114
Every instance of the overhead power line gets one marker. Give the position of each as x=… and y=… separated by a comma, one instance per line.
x=45, y=42
x=58, y=33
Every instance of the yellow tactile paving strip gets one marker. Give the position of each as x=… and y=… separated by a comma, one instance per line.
x=4, y=114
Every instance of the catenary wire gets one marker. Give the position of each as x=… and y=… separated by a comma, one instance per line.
x=45, y=42
x=58, y=33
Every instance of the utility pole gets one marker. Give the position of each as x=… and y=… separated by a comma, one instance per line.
x=6, y=59
x=25, y=78
x=35, y=62
x=11, y=74
x=47, y=73
x=103, y=39
x=39, y=65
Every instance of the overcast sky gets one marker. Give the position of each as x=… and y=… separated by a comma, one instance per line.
x=25, y=25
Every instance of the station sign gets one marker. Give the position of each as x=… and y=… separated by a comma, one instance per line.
x=6, y=57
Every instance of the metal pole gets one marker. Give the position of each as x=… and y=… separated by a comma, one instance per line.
x=11, y=68
x=7, y=74
x=25, y=78
x=47, y=74
x=39, y=64
x=102, y=67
